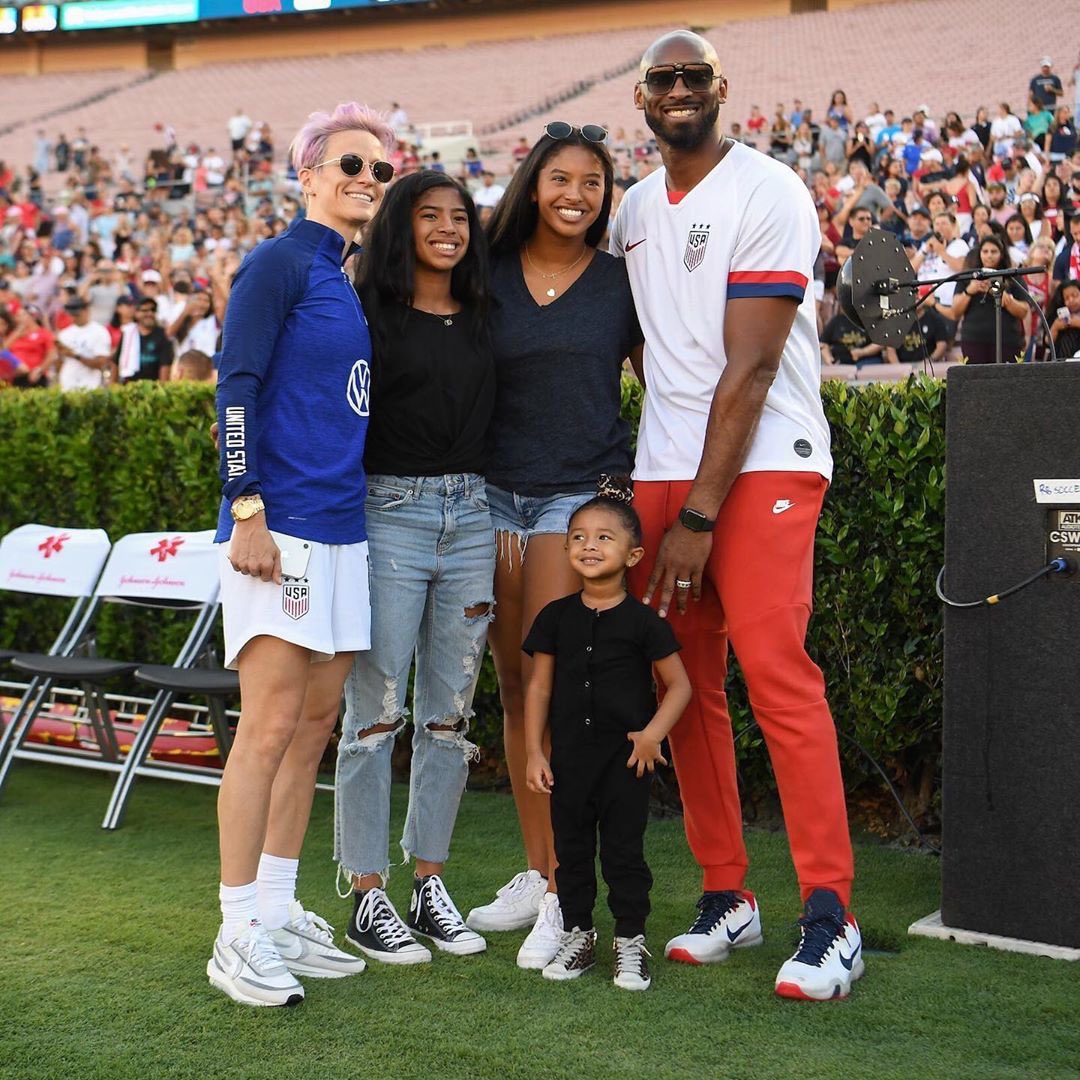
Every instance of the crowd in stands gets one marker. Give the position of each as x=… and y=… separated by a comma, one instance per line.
x=113, y=269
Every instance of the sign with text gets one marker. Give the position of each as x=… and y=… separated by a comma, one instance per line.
x=239, y=9
x=104, y=14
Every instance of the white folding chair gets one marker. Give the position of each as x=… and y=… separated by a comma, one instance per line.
x=48, y=561
x=168, y=571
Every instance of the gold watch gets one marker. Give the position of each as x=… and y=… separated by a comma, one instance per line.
x=246, y=506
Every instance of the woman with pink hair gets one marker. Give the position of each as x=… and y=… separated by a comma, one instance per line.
x=292, y=400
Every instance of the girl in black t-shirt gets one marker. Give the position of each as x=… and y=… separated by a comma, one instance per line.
x=562, y=326
x=423, y=282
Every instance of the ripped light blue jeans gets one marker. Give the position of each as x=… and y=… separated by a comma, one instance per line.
x=432, y=555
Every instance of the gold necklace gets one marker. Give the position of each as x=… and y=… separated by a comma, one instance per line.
x=558, y=273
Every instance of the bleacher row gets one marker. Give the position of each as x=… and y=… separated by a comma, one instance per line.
x=949, y=54
x=65, y=712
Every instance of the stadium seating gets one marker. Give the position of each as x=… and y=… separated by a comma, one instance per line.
x=945, y=53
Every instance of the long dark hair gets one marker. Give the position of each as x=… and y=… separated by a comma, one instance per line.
x=515, y=218
x=973, y=261
x=386, y=275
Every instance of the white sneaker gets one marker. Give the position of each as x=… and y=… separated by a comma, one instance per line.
x=306, y=944
x=829, y=957
x=577, y=953
x=250, y=970
x=515, y=905
x=545, y=938
x=632, y=963
x=725, y=921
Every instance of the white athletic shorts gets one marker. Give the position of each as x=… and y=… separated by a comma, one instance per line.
x=327, y=610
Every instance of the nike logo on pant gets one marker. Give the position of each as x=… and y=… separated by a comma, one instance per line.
x=781, y=505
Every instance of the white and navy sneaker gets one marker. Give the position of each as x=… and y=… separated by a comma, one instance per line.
x=577, y=953
x=377, y=931
x=545, y=938
x=250, y=970
x=306, y=944
x=829, y=957
x=432, y=914
x=515, y=906
x=725, y=921
x=632, y=963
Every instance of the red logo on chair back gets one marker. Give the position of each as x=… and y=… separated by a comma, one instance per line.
x=53, y=545
x=166, y=548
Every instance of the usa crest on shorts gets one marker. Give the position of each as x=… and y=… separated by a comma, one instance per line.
x=295, y=599
x=695, y=246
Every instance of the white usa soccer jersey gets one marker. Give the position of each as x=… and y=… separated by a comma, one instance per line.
x=748, y=229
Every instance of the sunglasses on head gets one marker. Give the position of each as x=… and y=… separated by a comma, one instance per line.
x=353, y=165
x=695, y=77
x=560, y=129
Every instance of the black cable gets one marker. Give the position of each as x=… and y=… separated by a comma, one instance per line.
x=1055, y=566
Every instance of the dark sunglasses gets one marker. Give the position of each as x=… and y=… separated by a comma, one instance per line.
x=560, y=129
x=695, y=77
x=353, y=165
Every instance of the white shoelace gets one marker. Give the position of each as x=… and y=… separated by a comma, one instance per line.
x=442, y=907
x=517, y=884
x=574, y=941
x=549, y=920
x=377, y=912
x=317, y=927
x=628, y=954
x=261, y=950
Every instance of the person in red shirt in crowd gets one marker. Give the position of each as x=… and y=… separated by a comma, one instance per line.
x=32, y=343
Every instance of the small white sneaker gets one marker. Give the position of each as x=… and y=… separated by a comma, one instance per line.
x=577, y=953
x=250, y=970
x=725, y=921
x=306, y=944
x=632, y=963
x=545, y=938
x=829, y=957
x=515, y=905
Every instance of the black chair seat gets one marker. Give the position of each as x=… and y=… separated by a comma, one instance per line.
x=90, y=669
x=7, y=654
x=216, y=681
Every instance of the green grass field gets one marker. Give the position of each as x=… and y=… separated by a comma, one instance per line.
x=106, y=936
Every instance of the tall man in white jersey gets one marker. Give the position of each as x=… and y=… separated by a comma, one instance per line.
x=732, y=466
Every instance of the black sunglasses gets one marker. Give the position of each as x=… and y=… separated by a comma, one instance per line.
x=560, y=129
x=695, y=77
x=353, y=165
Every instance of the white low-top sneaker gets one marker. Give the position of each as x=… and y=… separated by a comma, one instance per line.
x=829, y=957
x=632, y=963
x=545, y=938
x=515, y=905
x=250, y=970
x=725, y=921
x=306, y=944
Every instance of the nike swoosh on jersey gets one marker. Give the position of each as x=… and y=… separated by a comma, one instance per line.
x=636, y=243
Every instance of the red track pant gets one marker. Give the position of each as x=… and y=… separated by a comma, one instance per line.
x=757, y=593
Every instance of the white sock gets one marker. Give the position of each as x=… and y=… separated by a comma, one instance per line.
x=239, y=907
x=277, y=889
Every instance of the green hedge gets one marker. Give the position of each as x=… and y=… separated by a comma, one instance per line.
x=139, y=459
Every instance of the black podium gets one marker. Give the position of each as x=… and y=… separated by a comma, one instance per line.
x=1011, y=813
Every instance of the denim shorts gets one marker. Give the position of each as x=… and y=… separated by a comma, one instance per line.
x=527, y=515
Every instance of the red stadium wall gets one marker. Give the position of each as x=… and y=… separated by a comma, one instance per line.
x=329, y=35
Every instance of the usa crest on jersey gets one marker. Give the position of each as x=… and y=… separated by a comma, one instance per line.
x=295, y=599
x=695, y=246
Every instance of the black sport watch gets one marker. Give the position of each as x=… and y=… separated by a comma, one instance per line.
x=695, y=520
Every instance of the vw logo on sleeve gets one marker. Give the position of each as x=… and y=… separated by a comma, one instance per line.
x=358, y=392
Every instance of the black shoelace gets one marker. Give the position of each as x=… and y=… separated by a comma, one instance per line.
x=712, y=907
x=818, y=934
